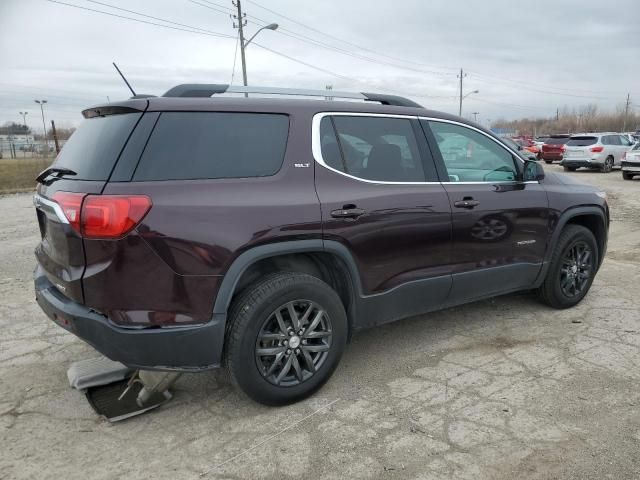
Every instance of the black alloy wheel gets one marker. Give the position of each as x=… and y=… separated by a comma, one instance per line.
x=576, y=270
x=293, y=343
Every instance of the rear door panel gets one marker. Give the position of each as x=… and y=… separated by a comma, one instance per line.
x=401, y=243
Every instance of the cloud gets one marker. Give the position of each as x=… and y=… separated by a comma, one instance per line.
x=526, y=59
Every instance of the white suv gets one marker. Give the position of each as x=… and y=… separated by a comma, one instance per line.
x=595, y=150
x=631, y=163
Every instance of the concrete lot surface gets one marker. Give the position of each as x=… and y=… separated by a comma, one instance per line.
x=499, y=389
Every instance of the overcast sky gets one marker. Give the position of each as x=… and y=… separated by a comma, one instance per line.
x=525, y=58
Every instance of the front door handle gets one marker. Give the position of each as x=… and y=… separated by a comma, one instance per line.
x=466, y=203
x=347, y=213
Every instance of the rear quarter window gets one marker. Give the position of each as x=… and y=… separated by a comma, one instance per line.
x=93, y=149
x=206, y=145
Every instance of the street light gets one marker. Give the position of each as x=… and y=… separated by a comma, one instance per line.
x=243, y=44
x=44, y=126
x=462, y=98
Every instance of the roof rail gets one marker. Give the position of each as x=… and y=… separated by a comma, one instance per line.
x=203, y=90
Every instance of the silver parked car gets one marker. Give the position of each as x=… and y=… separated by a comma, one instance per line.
x=595, y=150
x=631, y=163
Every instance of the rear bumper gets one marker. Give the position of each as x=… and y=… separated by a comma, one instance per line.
x=581, y=163
x=188, y=348
x=631, y=166
x=551, y=156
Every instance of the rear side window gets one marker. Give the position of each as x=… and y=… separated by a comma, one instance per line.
x=198, y=145
x=372, y=148
x=582, y=141
x=93, y=149
x=557, y=141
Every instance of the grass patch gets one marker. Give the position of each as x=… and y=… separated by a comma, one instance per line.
x=19, y=174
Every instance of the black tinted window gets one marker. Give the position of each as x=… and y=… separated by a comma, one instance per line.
x=582, y=141
x=93, y=149
x=379, y=148
x=192, y=145
x=557, y=141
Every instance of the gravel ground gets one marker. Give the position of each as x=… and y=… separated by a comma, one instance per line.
x=502, y=389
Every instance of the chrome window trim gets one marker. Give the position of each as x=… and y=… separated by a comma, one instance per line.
x=39, y=200
x=316, y=146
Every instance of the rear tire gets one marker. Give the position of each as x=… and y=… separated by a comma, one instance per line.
x=570, y=169
x=273, y=352
x=548, y=162
x=627, y=176
x=608, y=165
x=568, y=265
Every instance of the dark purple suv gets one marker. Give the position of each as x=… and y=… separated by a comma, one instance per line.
x=186, y=232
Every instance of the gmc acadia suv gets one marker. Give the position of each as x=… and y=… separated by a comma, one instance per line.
x=186, y=232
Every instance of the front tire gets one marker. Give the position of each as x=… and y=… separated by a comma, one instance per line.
x=286, y=335
x=627, y=176
x=572, y=269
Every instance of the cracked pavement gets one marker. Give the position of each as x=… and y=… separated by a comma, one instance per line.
x=505, y=388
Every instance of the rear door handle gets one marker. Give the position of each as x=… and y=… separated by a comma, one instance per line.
x=347, y=213
x=466, y=203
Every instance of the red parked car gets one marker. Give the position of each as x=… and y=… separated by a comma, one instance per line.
x=553, y=148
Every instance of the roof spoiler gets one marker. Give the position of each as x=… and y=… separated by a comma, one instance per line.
x=204, y=90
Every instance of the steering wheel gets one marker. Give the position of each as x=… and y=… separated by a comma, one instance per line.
x=502, y=168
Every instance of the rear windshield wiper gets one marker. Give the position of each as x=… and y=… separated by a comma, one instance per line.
x=57, y=172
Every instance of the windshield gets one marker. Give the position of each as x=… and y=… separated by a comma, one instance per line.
x=581, y=141
x=557, y=141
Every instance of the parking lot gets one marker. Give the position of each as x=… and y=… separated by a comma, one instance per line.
x=504, y=389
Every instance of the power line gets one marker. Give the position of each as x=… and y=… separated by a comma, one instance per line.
x=149, y=16
x=338, y=39
x=306, y=39
x=479, y=77
x=192, y=29
x=212, y=8
x=550, y=89
x=320, y=69
x=504, y=104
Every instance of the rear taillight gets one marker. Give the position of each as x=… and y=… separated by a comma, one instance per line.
x=71, y=204
x=597, y=149
x=103, y=216
x=112, y=216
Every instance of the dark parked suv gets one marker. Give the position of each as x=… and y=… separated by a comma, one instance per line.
x=186, y=232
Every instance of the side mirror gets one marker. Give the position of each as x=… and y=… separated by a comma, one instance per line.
x=533, y=171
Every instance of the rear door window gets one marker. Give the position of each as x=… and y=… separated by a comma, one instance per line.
x=381, y=149
x=93, y=149
x=205, y=145
x=582, y=141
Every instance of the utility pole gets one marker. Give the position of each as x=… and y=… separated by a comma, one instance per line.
x=55, y=136
x=24, y=122
x=460, y=107
x=626, y=112
x=557, y=114
x=241, y=24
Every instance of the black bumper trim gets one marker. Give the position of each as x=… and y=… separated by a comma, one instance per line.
x=188, y=348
